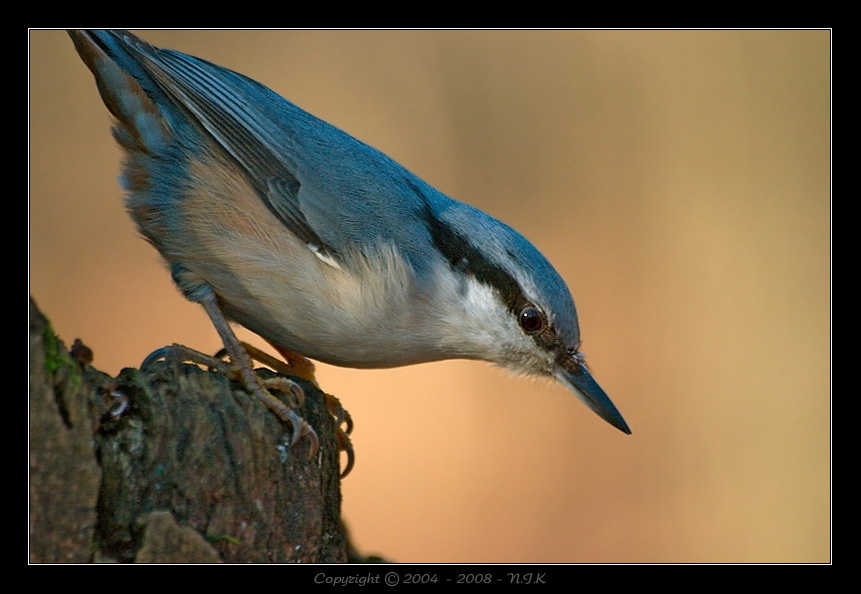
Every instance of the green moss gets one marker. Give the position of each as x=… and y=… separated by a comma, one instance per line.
x=56, y=357
x=213, y=538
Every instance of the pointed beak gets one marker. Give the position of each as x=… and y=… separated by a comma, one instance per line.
x=573, y=373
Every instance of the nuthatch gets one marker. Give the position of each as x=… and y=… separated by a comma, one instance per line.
x=280, y=222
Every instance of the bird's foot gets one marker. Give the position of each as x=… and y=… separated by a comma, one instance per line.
x=296, y=364
x=343, y=429
x=253, y=383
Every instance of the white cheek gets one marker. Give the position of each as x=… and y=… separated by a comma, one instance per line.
x=496, y=334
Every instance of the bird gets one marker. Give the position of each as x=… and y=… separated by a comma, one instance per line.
x=275, y=220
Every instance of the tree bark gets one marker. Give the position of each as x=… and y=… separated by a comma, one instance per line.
x=177, y=464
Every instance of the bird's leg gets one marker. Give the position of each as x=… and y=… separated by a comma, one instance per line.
x=240, y=369
x=296, y=364
x=342, y=417
x=304, y=368
x=299, y=365
x=343, y=420
x=242, y=363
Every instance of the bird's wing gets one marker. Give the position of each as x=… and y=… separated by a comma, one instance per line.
x=329, y=189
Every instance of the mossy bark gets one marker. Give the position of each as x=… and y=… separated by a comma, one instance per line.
x=177, y=464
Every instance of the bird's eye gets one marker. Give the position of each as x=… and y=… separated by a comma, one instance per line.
x=531, y=320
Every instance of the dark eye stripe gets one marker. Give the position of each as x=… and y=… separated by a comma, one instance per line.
x=462, y=256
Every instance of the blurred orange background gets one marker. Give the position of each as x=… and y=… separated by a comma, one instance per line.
x=679, y=180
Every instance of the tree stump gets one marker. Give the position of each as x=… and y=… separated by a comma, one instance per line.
x=177, y=464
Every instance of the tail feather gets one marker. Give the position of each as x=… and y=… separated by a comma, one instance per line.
x=125, y=87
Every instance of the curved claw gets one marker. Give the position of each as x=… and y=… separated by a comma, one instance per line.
x=295, y=365
x=348, y=420
x=293, y=390
x=296, y=421
x=285, y=412
x=345, y=445
x=298, y=393
x=351, y=460
x=240, y=368
x=342, y=416
x=157, y=355
x=260, y=387
x=300, y=428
